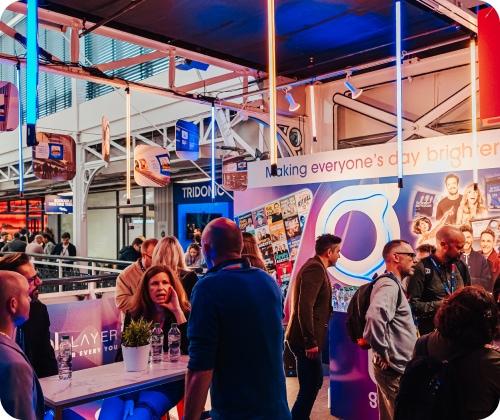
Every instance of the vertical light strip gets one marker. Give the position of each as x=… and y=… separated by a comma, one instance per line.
x=313, y=112
x=127, y=141
x=473, y=95
x=20, y=130
x=31, y=71
x=271, y=47
x=212, y=145
x=399, y=95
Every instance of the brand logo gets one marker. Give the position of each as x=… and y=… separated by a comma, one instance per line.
x=203, y=191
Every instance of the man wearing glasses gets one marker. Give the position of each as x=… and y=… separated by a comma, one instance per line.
x=389, y=328
x=128, y=280
x=33, y=336
x=437, y=276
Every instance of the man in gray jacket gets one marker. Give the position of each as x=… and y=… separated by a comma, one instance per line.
x=20, y=394
x=389, y=329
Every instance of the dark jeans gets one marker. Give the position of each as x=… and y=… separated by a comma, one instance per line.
x=310, y=375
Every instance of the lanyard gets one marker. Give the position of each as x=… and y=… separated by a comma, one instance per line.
x=448, y=286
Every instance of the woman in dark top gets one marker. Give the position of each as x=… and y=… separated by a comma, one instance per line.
x=168, y=252
x=466, y=325
x=160, y=298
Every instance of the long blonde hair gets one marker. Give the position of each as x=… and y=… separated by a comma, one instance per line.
x=168, y=252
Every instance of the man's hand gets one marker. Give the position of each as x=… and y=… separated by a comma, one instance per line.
x=381, y=362
x=312, y=353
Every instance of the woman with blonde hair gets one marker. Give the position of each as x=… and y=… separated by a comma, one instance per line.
x=472, y=205
x=168, y=252
x=252, y=252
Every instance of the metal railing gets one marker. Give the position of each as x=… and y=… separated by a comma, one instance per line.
x=84, y=277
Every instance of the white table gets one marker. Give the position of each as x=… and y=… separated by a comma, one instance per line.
x=106, y=381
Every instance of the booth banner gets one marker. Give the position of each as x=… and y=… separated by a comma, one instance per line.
x=368, y=209
x=93, y=327
x=187, y=140
x=437, y=154
x=54, y=157
x=56, y=204
x=234, y=172
x=9, y=107
x=105, y=134
x=199, y=192
x=151, y=166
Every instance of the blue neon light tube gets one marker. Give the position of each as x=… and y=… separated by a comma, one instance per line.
x=31, y=71
x=399, y=95
x=20, y=131
x=212, y=145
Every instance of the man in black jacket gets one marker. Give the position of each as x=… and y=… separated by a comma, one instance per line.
x=437, y=276
x=65, y=248
x=16, y=245
x=479, y=269
x=33, y=336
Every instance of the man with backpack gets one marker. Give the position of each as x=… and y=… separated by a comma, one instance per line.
x=389, y=328
x=437, y=277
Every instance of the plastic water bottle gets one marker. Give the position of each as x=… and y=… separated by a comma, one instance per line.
x=64, y=358
x=174, y=343
x=157, y=344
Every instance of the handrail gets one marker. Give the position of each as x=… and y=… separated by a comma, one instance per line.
x=86, y=259
x=79, y=279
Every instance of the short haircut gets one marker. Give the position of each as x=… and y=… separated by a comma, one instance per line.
x=428, y=248
x=137, y=241
x=148, y=243
x=449, y=176
x=47, y=236
x=194, y=246
x=66, y=235
x=466, y=228
x=468, y=318
x=17, y=235
x=489, y=232
x=12, y=262
x=389, y=246
x=325, y=242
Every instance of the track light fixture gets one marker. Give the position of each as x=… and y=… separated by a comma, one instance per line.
x=293, y=106
x=355, y=92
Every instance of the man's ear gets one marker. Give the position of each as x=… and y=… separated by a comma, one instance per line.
x=12, y=305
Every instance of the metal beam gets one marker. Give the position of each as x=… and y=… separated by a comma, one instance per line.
x=132, y=61
x=61, y=19
x=447, y=8
x=207, y=82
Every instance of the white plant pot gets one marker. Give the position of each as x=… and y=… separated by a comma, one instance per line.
x=136, y=358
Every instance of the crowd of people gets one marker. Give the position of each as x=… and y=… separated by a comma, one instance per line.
x=231, y=322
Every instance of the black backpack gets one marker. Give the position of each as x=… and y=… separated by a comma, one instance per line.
x=358, y=306
x=429, y=389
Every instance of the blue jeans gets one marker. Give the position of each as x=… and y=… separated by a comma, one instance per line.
x=310, y=375
x=148, y=405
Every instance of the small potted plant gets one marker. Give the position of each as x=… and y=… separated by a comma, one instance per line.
x=136, y=343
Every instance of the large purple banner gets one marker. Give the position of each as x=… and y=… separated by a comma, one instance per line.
x=93, y=327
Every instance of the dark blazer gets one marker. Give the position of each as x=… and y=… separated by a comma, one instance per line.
x=20, y=392
x=479, y=270
x=34, y=338
x=16, y=245
x=59, y=247
x=188, y=280
x=311, y=306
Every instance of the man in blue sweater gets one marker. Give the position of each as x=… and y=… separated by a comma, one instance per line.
x=235, y=335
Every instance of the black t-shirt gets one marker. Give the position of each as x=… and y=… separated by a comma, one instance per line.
x=444, y=205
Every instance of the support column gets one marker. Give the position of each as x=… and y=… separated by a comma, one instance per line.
x=80, y=202
x=164, y=211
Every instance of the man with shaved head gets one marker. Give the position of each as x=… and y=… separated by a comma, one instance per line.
x=235, y=335
x=437, y=276
x=20, y=393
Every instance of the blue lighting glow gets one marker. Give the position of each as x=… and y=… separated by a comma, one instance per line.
x=399, y=98
x=20, y=131
x=212, y=145
x=31, y=70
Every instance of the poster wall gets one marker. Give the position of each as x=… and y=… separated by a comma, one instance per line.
x=9, y=107
x=54, y=157
x=93, y=327
x=356, y=197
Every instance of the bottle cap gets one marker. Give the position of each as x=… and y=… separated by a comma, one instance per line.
x=65, y=337
x=174, y=324
x=156, y=325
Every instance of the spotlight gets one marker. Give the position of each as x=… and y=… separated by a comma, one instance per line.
x=355, y=92
x=294, y=106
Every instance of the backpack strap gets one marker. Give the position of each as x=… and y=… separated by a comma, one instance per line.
x=461, y=267
x=421, y=346
x=391, y=276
